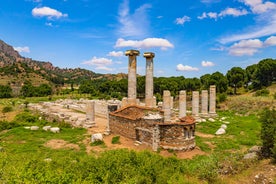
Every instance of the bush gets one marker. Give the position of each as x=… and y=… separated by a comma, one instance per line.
x=97, y=143
x=7, y=109
x=5, y=125
x=26, y=117
x=222, y=97
x=268, y=132
x=115, y=140
x=274, y=96
x=262, y=92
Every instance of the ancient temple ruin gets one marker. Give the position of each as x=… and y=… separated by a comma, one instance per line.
x=154, y=126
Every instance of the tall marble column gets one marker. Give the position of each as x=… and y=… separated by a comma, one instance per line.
x=204, y=102
x=212, y=106
x=182, y=103
x=167, y=105
x=195, y=103
x=149, y=101
x=132, y=70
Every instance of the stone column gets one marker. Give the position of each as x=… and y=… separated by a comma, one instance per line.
x=167, y=105
x=212, y=107
x=90, y=111
x=204, y=102
x=195, y=103
x=132, y=67
x=182, y=103
x=149, y=79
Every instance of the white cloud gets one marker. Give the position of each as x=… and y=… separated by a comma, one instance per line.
x=271, y=41
x=104, y=68
x=207, y=63
x=246, y=47
x=265, y=27
x=160, y=17
x=182, y=20
x=49, y=24
x=258, y=6
x=98, y=61
x=133, y=24
x=203, y=16
x=47, y=12
x=146, y=43
x=233, y=11
x=181, y=67
x=210, y=1
x=227, y=12
x=115, y=54
x=22, y=49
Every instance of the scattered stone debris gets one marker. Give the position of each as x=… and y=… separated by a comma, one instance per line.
x=46, y=128
x=96, y=137
x=220, y=131
x=48, y=160
x=55, y=129
x=211, y=119
x=34, y=128
x=262, y=179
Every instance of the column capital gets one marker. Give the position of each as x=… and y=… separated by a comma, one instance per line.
x=132, y=53
x=149, y=55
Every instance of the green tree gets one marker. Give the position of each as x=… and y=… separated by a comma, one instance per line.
x=265, y=73
x=43, y=90
x=27, y=90
x=205, y=81
x=220, y=81
x=87, y=87
x=268, y=133
x=5, y=91
x=236, y=78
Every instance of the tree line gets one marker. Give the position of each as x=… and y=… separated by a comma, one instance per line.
x=253, y=77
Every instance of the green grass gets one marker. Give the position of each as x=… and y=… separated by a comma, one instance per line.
x=23, y=158
x=243, y=131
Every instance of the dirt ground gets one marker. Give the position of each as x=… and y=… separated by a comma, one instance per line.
x=124, y=143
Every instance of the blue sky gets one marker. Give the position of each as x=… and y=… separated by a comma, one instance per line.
x=189, y=38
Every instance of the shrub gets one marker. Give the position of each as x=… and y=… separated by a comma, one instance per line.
x=268, y=132
x=115, y=140
x=7, y=109
x=274, y=96
x=26, y=117
x=262, y=92
x=222, y=97
x=5, y=125
x=97, y=143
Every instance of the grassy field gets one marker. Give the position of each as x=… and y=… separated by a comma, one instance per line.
x=26, y=158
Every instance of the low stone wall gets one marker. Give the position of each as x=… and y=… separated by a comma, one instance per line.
x=173, y=136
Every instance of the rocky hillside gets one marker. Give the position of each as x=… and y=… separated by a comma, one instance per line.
x=15, y=70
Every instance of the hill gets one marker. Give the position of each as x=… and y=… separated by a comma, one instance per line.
x=15, y=70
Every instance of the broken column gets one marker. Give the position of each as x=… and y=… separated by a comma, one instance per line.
x=182, y=103
x=132, y=67
x=195, y=103
x=212, y=107
x=90, y=112
x=167, y=105
x=149, y=100
x=204, y=102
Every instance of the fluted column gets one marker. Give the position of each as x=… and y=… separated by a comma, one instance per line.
x=149, y=101
x=212, y=107
x=195, y=103
x=204, y=102
x=167, y=105
x=182, y=103
x=132, y=70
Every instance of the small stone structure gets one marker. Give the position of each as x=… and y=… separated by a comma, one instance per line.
x=147, y=125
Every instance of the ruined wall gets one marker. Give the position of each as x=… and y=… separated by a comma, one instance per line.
x=176, y=136
x=140, y=130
